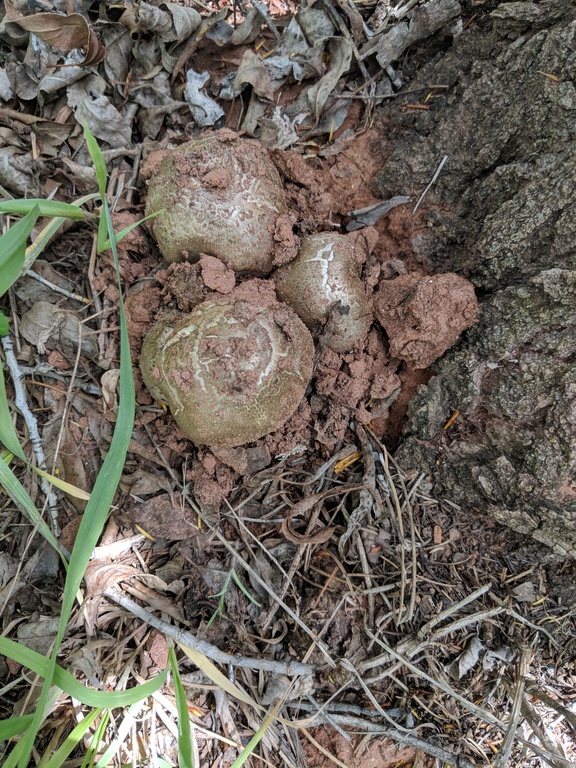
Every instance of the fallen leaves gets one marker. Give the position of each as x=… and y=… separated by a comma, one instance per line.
x=65, y=33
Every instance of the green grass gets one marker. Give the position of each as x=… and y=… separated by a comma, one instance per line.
x=15, y=259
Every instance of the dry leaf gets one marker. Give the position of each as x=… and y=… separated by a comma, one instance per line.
x=109, y=383
x=62, y=32
x=306, y=505
x=340, y=52
x=253, y=71
x=321, y=537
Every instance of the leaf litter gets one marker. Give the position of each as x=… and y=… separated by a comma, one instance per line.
x=390, y=599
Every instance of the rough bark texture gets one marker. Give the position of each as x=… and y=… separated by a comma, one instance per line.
x=503, y=214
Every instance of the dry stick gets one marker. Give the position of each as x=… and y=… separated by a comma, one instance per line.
x=385, y=459
x=509, y=737
x=321, y=646
x=413, y=645
x=343, y=29
x=209, y=650
x=534, y=690
x=398, y=509
x=452, y=609
x=441, y=685
x=365, y=726
x=382, y=712
x=414, y=573
x=57, y=288
x=432, y=180
x=21, y=403
x=319, y=498
x=549, y=751
x=68, y=401
x=323, y=750
x=523, y=620
x=248, y=568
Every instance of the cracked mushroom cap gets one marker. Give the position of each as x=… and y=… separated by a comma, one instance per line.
x=323, y=283
x=220, y=195
x=230, y=371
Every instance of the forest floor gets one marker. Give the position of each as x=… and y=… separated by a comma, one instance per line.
x=426, y=639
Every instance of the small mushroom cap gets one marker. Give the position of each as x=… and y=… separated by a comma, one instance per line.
x=220, y=195
x=230, y=371
x=323, y=283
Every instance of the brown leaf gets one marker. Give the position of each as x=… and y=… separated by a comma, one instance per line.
x=62, y=32
x=307, y=504
x=321, y=537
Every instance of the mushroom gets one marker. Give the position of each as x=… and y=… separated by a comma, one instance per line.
x=323, y=283
x=219, y=195
x=230, y=371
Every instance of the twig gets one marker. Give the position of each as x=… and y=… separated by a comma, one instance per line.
x=349, y=667
x=441, y=685
x=21, y=404
x=57, y=288
x=524, y=620
x=433, y=179
x=509, y=737
x=549, y=751
x=365, y=726
x=367, y=495
x=534, y=690
x=310, y=502
x=209, y=650
x=452, y=609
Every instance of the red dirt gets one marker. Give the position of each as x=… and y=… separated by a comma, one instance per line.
x=424, y=315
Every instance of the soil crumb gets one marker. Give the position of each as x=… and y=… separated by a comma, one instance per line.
x=216, y=275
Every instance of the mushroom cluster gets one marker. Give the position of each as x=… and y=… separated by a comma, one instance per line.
x=230, y=371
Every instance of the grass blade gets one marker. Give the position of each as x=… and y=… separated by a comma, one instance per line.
x=185, y=752
x=72, y=741
x=68, y=488
x=68, y=683
x=13, y=249
x=13, y=726
x=20, y=496
x=97, y=739
x=218, y=678
x=257, y=738
x=45, y=208
x=102, y=495
x=46, y=234
x=8, y=436
x=127, y=230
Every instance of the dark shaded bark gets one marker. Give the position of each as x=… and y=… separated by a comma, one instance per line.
x=503, y=214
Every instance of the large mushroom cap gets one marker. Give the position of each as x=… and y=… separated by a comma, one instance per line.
x=230, y=371
x=220, y=195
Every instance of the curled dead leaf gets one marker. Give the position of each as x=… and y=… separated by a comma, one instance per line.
x=305, y=505
x=321, y=537
x=65, y=33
